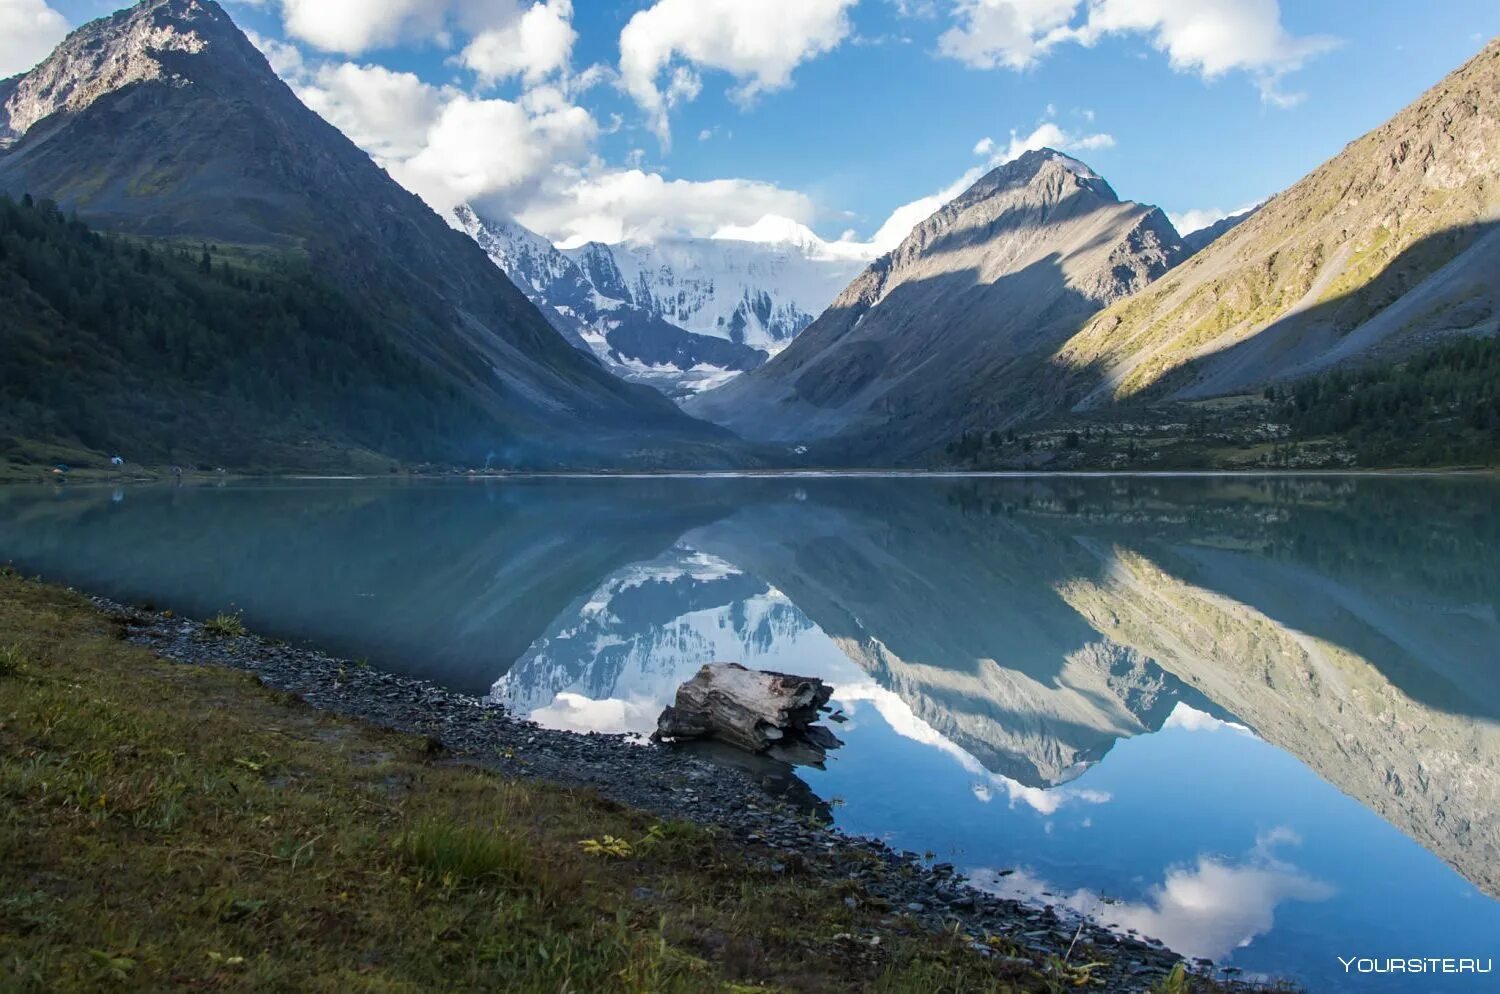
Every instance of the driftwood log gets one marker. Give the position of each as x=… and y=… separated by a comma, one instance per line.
x=752, y=710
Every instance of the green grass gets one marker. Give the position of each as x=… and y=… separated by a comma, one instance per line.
x=458, y=854
x=12, y=661
x=226, y=625
x=168, y=827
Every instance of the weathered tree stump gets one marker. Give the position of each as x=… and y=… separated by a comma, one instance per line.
x=750, y=709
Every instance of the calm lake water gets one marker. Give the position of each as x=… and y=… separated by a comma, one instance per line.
x=1258, y=719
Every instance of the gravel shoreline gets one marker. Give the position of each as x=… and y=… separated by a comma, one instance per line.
x=666, y=781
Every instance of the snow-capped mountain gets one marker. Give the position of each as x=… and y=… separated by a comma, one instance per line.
x=682, y=314
x=550, y=279
x=757, y=286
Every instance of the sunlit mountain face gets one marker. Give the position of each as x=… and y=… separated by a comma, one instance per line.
x=1258, y=720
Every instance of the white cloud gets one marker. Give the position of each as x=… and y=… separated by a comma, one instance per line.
x=1044, y=801
x=1207, y=37
x=533, y=46
x=1190, y=719
x=906, y=217
x=1012, y=33
x=506, y=37
x=493, y=149
x=1212, y=37
x=355, y=26
x=443, y=144
x=1049, y=134
x=611, y=716
x=1198, y=218
x=1207, y=909
x=759, y=42
x=534, y=157
x=617, y=205
x=386, y=113
x=285, y=59
x=29, y=31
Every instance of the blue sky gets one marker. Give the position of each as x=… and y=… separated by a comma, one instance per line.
x=634, y=119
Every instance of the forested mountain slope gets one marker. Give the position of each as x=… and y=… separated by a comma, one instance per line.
x=163, y=121
x=167, y=355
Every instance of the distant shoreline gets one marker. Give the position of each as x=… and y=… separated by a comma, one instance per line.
x=197, y=479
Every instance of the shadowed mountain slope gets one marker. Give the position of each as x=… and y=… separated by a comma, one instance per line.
x=163, y=121
x=1387, y=248
x=940, y=332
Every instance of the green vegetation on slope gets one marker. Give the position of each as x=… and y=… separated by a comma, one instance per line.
x=170, y=827
x=167, y=354
x=1365, y=231
x=1439, y=408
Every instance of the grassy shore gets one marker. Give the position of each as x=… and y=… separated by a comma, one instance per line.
x=170, y=827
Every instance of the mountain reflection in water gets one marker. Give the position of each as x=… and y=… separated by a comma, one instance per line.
x=1216, y=711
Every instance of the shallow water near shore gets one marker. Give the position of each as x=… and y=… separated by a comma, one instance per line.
x=1255, y=718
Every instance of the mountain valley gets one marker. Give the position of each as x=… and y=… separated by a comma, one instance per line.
x=1035, y=321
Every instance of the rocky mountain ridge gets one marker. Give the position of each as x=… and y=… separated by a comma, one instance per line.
x=1385, y=251
x=1389, y=247
x=940, y=331
x=1197, y=241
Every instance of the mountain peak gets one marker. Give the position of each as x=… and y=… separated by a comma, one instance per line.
x=1024, y=194
x=154, y=41
x=969, y=307
x=1052, y=174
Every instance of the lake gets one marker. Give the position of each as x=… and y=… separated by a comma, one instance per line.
x=1257, y=718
